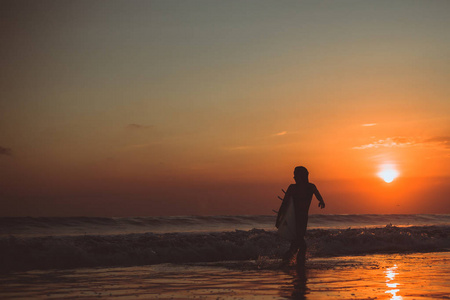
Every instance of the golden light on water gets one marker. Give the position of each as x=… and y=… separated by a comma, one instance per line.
x=388, y=173
x=390, y=278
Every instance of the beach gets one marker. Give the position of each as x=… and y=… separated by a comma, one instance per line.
x=377, y=276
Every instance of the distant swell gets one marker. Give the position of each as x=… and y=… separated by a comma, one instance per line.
x=148, y=248
x=62, y=226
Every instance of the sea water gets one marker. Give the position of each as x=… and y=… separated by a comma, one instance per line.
x=60, y=226
x=46, y=243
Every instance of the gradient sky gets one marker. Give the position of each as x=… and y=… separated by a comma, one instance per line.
x=135, y=108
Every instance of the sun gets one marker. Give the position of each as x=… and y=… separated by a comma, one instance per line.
x=388, y=173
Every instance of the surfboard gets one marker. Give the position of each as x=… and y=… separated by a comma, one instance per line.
x=286, y=220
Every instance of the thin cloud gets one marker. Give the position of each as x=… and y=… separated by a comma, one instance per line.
x=5, y=151
x=369, y=124
x=397, y=142
x=281, y=133
x=387, y=143
x=443, y=141
x=135, y=126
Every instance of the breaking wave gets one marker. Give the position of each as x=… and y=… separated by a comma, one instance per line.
x=61, y=252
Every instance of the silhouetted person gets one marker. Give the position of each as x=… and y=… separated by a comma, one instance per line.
x=301, y=193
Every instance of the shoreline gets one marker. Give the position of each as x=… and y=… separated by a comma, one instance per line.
x=372, y=276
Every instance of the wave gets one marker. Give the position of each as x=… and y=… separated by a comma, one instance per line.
x=41, y=226
x=62, y=252
x=29, y=227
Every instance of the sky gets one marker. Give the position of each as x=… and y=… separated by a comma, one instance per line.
x=149, y=108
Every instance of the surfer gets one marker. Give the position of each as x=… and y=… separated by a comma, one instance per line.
x=300, y=194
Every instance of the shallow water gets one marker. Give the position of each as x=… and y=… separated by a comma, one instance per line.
x=381, y=276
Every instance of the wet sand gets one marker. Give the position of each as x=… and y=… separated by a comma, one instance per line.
x=386, y=276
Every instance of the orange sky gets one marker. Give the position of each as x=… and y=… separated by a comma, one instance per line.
x=175, y=107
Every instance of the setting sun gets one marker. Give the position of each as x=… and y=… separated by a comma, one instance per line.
x=388, y=173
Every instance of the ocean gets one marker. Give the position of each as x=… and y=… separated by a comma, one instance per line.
x=28, y=243
x=224, y=257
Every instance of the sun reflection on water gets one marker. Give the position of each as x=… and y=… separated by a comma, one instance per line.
x=390, y=276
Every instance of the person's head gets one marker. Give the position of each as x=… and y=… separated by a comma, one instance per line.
x=301, y=175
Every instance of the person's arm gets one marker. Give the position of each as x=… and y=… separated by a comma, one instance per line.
x=319, y=197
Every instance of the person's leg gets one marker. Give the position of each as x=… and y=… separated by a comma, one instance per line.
x=301, y=232
x=291, y=252
x=301, y=255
